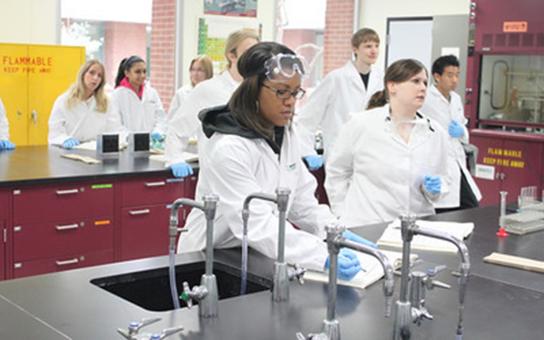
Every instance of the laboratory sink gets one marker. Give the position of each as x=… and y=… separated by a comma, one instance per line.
x=150, y=289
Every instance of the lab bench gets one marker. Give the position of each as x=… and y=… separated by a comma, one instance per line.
x=58, y=214
x=501, y=303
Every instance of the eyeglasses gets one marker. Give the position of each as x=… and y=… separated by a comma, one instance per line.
x=286, y=94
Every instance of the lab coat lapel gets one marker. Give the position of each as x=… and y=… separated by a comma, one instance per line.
x=354, y=76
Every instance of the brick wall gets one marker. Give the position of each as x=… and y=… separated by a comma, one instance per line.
x=338, y=31
x=163, y=46
x=121, y=40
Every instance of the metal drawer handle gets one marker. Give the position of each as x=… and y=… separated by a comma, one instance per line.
x=139, y=212
x=67, y=227
x=155, y=184
x=67, y=262
x=67, y=192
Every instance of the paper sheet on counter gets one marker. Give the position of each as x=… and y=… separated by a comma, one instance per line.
x=391, y=236
x=188, y=156
x=373, y=270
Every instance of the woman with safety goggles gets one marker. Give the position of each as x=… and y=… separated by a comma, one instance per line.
x=252, y=147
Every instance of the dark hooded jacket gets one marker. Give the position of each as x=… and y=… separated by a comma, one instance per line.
x=220, y=119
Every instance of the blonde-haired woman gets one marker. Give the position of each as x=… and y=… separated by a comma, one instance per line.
x=184, y=124
x=200, y=69
x=82, y=112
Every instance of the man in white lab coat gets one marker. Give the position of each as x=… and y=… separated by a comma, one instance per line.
x=342, y=92
x=184, y=125
x=445, y=106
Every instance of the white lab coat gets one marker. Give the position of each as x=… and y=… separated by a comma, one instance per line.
x=82, y=122
x=4, y=124
x=139, y=115
x=374, y=176
x=340, y=93
x=177, y=100
x=443, y=111
x=185, y=125
x=234, y=167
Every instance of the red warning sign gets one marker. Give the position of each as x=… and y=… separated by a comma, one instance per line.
x=514, y=26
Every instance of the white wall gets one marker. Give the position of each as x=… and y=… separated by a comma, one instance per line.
x=193, y=10
x=374, y=13
x=29, y=21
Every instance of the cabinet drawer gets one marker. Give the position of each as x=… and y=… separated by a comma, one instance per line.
x=144, y=231
x=4, y=204
x=151, y=191
x=44, y=240
x=57, y=264
x=62, y=202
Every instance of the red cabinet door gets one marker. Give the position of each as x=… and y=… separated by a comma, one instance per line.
x=32, y=241
x=523, y=167
x=189, y=192
x=152, y=190
x=3, y=241
x=144, y=231
x=489, y=181
x=514, y=164
x=57, y=202
x=57, y=264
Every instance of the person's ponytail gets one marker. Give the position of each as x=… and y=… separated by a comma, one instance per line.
x=120, y=72
x=378, y=99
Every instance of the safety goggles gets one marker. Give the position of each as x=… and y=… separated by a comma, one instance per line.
x=284, y=66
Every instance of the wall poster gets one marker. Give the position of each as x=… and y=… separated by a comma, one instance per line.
x=213, y=33
x=237, y=8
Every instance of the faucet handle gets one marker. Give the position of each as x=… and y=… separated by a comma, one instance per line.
x=196, y=294
x=431, y=272
x=312, y=336
x=135, y=326
x=165, y=333
x=297, y=272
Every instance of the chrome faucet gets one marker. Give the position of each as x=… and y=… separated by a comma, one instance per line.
x=335, y=241
x=208, y=294
x=406, y=313
x=282, y=274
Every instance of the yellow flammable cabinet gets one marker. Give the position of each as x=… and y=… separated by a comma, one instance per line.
x=31, y=79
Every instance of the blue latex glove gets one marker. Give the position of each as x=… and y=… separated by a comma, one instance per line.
x=156, y=136
x=69, y=143
x=455, y=129
x=432, y=184
x=349, y=235
x=181, y=169
x=314, y=161
x=6, y=145
x=348, y=264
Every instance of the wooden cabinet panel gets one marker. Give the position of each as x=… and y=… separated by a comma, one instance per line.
x=151, y=190
x=144, y=231
x=57, y=264
x=61, y=202
x=46, y=240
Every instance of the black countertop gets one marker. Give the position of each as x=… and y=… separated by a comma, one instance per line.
x=42, y=164
x=501, y=303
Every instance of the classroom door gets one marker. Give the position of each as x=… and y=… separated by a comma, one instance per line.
x=13, y=90
x=55, y=70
